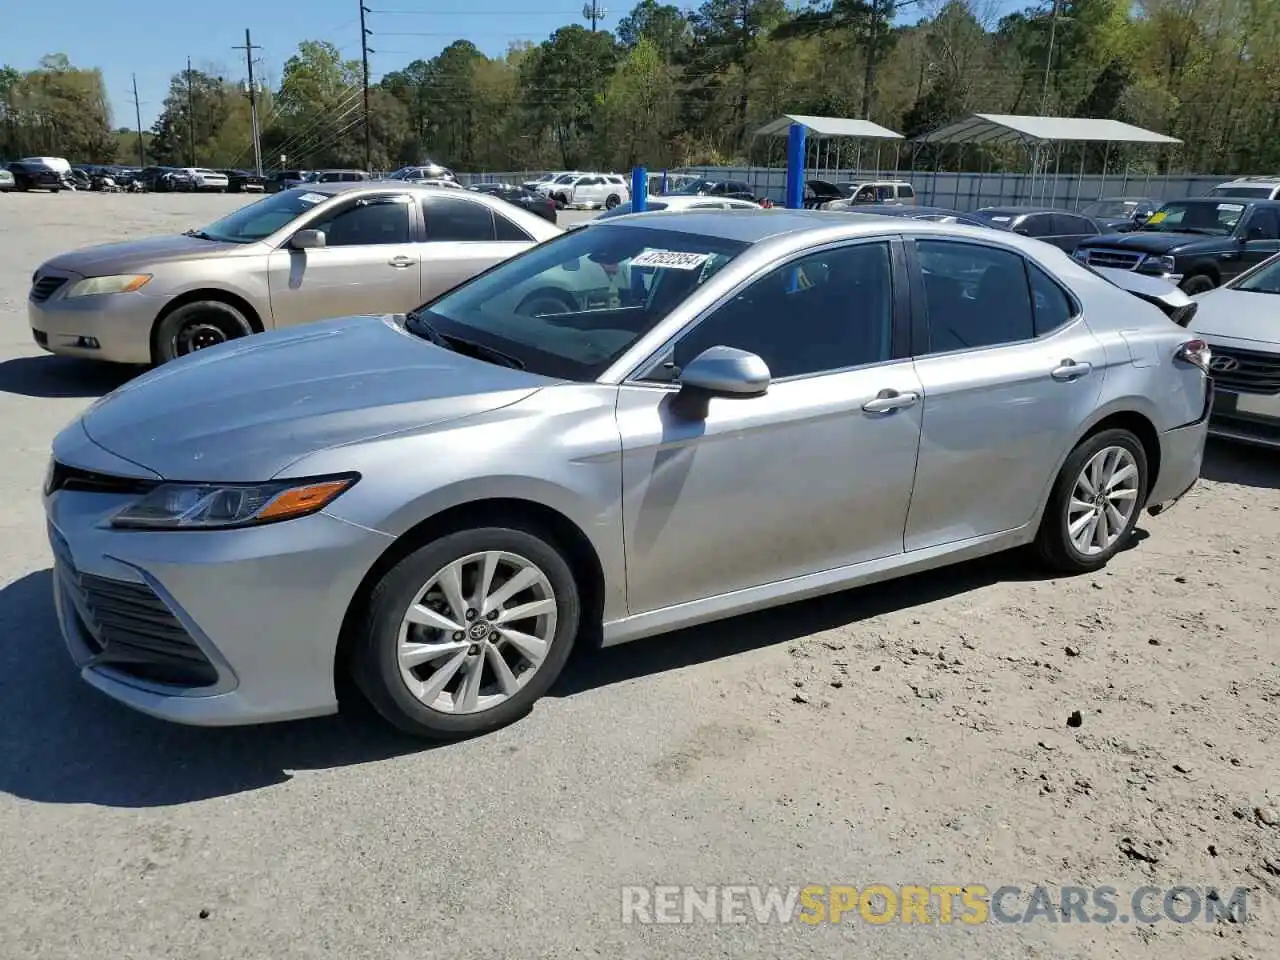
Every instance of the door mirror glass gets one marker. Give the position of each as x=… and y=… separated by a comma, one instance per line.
x=308, y=240
x=720, y=372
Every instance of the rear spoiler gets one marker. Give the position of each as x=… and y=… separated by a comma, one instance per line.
x=1175, y=304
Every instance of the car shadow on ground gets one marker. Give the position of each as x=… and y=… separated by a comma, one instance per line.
x=63, y=742
x=48, y=376
x=1242, y=464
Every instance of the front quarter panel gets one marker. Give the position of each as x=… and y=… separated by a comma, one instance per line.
x=560, y=448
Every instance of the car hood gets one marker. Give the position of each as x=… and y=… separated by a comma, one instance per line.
x=111, y=258
x=246, y=410
x=1151, y=241
x=1239, y=315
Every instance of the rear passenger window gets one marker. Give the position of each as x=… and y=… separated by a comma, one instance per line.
x=452, y=219
x=906, y=192
x=1053, y=308
x=508, y=231
x=976, y=296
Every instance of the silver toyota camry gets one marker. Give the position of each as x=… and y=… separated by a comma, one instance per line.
x=650, y=423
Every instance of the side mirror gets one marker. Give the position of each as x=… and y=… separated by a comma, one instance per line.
x=719, y=372
x=308, y=240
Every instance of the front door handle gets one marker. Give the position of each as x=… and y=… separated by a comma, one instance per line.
x=401, y=262
x=1070, y=370
x=887, y=401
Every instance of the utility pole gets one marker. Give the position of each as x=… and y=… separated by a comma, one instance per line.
x=594, y=12
x=365, y=33
x=248, y=49
x=137, y=113
x=1048, y=60
x=191, y=118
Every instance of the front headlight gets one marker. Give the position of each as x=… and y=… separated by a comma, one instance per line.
x=124, y=283
x=218, y=506
x=1163, y=264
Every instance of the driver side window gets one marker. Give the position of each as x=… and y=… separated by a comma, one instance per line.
x=823, y=312
x=1264, y=224
x=379, y=220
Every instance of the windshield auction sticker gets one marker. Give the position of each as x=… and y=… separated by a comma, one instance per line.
x=313, y=198
x=670, y=259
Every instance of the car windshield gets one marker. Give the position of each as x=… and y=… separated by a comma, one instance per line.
x=1110, y=208
x=621, y=209
x=572, y=306
x=1190, y=216
x=567, y=178
x=1265, y=279
x=1253, y=193
x=261, y=219
x=696, y=187
x=996, y=218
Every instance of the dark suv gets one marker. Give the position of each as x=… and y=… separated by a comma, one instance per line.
x=36, y=175
x=1198, y=243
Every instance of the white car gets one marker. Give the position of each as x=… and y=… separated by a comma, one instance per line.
x=600, y=190
x=557, y=184
x=198, y=178
x=545, y=180
x=679, y=203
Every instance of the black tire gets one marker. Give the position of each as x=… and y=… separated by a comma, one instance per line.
x=1053, y=541
x=612, y=202
x=1197, y=283
x=197, y=326
x=562, y=201
x=375, y=664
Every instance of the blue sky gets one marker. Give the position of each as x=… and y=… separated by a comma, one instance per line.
x=153, y=38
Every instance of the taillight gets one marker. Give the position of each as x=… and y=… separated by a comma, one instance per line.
x=1195, y=352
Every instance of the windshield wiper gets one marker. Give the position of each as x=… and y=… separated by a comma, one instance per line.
x=417, y=323
x=199, y=235
x=481, y=352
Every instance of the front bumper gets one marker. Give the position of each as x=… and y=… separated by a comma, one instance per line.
x=1246, y=418
x=114, y=327
x=252, y=616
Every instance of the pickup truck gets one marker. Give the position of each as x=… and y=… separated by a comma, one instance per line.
x=1198, y=243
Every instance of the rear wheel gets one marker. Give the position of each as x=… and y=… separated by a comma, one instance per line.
x=1197, y=283
x=612, y=202
x=463, y=635
x=197, y=326
x=1095, y=503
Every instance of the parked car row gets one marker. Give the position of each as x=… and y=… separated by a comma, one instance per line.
x=574, y=189
x=488, y=458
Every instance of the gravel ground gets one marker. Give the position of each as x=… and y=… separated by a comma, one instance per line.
x=921, y=732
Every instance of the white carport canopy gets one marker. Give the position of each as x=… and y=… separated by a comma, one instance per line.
x=826, y=128
x=1005, y=128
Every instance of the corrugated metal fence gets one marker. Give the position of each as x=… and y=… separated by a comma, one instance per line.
x=958, y=191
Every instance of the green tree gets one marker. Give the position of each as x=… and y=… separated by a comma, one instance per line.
x=662, y=24
x=562, y=85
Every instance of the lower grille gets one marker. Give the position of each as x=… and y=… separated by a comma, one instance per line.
x=45, y=287
x=1116, y=259
x=131, y=630
x=63, y=477
x=1249, y=371
x=41, y=337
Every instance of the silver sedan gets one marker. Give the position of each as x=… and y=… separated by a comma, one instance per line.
x=316, y=251
x=649, y=423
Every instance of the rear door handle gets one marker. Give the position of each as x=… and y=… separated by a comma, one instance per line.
x=1070, y=370
x=887, y=401
x=401, y=262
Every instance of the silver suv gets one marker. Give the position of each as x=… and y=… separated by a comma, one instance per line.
x=316, y=251
x=1252, y=188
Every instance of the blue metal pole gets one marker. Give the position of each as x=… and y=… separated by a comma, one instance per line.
x=664, y=181
x=795, y=166
x=639, y=190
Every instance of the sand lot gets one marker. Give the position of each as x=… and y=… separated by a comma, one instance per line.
x=910, y=733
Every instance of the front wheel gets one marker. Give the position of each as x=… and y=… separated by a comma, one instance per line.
x=463, y=635
x=197, y=326
x=1197, y=283
x=612, y=202
x=1095, y=503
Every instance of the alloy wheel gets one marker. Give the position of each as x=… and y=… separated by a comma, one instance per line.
x=1103, y=500
x=477, y=632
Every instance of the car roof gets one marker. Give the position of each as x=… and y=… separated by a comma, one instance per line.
x=754, y=226
x=1022, y=210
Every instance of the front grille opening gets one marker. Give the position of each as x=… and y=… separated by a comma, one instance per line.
x=45, y=287
x=1252, y=372
x=88, y=481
